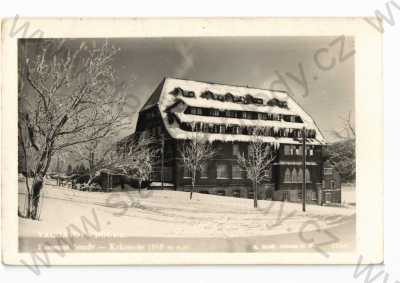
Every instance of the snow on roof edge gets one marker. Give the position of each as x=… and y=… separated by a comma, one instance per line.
x=320, y=137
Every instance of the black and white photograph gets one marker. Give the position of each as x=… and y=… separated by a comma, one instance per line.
x=234, y=145
x=184, y=144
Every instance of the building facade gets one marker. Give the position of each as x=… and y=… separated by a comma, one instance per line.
x=227, y=116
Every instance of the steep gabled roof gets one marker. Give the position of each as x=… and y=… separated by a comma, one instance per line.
x=173, y=92
x=154, y=97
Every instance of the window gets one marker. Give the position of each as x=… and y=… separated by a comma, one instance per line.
x=204, y=171
x=199, y=111
x=308, y=177
x=190, y=94
x=222, y=171
x=229, y=97
x=193, y=111
x=332, y=185
x=250, y=130
x=300, y=176
x=186, y=172
x=249, y=150
x=236, y=172
x=215, y=112
x=198, y=127
x=206, y=128
x=294, y=176
x=219, y=148
x=328, y=197
x=286, y=132
x=231, y=114
x=222, y=129
x=236, y=193
x=236, y=150
x=168, y=174
x=287, y=149
x=216, y=128
x=288, y=176
x=311, y=152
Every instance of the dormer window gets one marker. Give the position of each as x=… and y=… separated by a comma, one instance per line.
x=220, y=97
x=177, y=91
x=207, y=95
x=229, y=97
x=237, y=99
x=258, y=100
x=188, y=94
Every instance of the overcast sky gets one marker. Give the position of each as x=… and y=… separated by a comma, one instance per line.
x=252, y=61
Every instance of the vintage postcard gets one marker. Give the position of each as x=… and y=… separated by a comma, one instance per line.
x=191, y=141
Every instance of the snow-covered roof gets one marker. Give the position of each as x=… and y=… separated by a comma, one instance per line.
x=168, y=100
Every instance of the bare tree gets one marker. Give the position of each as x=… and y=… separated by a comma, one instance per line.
x=341, y=153
x=144, y=160
x=257, y=162
x=195, y=154
x=133, y=156
x=347, y=131
x=97, y=154
x=67, y=96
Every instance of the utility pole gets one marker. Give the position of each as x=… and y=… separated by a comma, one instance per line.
x=304, y=169
x=162, y=161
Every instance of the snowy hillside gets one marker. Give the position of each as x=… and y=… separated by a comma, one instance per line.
x=172, y=214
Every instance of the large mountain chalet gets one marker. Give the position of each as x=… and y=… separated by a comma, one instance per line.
x=227, y=116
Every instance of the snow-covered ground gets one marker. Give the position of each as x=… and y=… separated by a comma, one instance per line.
x=348, y=194
x=172, y=214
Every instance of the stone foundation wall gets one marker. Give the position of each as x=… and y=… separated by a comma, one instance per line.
x=295, y=196
x=264, y=191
